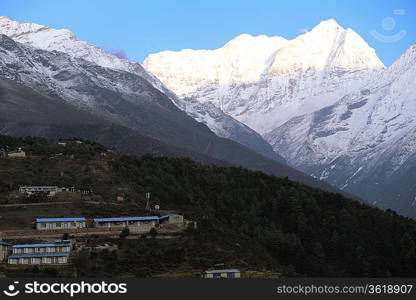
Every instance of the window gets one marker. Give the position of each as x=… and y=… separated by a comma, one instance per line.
x=43, y=225
x=61, y=260
x=230, y=275
x=47, y=260
x=58, y=225
x=35, y=260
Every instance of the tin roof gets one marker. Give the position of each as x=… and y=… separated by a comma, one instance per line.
x=38, y=255
x=42, y=245
x=59, y=220
x=121, y=219
x=223, y=271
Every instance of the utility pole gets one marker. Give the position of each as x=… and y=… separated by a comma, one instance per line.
x=147, y=201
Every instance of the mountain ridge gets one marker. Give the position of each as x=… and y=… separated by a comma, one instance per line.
x=65, y=41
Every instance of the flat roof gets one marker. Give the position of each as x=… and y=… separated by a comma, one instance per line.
x=121, y=219
x=38, y=255
x=42, y=245
x=38, y=186
x=223, y=271
x=59, y=219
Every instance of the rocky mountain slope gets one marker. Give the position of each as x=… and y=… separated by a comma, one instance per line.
x=364, y=143
x=323, y=100
x=63, y=40
x=25, y=112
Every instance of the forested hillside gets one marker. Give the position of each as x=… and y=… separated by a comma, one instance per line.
x=245, y=218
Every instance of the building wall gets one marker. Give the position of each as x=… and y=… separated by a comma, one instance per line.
x=38, y=250
x=60, y=225
x=16, y=154
x=222, y=275
x=38, y=260
x=129, y=224
x=4, y=252
x=175, y=219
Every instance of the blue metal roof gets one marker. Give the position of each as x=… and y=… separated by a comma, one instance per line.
x=42, y=245
x=222, y=271
x=60, y=220
x=38, y=255
x=126, y=219
x=164, y=217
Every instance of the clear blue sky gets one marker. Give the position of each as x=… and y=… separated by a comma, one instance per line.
x=144, y=27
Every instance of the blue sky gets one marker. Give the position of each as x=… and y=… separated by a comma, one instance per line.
x=144, y=27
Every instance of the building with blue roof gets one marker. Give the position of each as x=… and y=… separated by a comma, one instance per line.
x=35, y=254
x=60, y=223
x=140, y=223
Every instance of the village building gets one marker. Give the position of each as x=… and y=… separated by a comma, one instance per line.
x=17, y=154
x=146, y=222
x=171, y=219
x=48, y=190
x=38, y=254
x=228, y=273
x=60, y=223
x=5, y=250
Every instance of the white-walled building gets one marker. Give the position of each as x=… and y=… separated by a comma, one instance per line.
x=37, y=254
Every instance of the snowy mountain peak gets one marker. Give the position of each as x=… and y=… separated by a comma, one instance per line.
x=63, y=40
x=326, y=46
x=263, y=81
x=34, y=34
x=327, y=25
x=247, y=40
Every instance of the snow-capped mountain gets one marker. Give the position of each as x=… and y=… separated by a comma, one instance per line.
x=323, y=100
x=264, y=81
x=63, y=40
x=365, y=143
x=127, y=106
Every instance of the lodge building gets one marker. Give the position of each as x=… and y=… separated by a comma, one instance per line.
x=60, y=223
x=38, y=254
x=131, y=222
